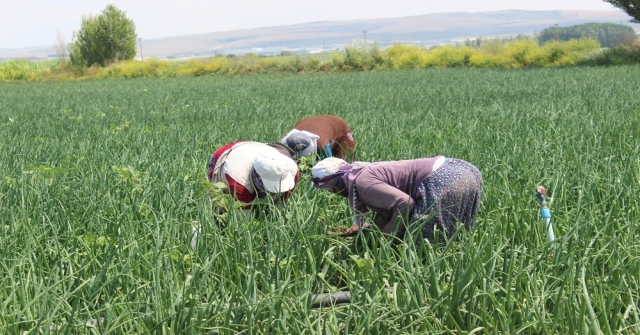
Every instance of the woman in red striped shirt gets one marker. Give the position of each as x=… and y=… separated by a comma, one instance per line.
x=252, y=170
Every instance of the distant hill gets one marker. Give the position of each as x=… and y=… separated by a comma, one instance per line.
x=428, y=29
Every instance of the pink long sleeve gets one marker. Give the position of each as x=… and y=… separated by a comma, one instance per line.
x=390, y=189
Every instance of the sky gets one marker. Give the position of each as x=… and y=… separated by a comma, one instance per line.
x=27, y=23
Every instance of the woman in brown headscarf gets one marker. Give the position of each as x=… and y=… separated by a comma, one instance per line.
x=331, y=137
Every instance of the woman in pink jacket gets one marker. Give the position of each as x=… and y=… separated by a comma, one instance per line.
x=428, y=194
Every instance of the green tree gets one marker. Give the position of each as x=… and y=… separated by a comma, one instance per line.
x=104, y=39
x=631, y=7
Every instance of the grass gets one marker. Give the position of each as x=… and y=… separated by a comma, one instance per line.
x=102, y=182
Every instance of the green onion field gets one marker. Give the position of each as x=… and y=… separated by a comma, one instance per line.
x=102, y=182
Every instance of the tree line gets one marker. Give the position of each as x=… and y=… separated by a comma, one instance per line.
x=608, y=34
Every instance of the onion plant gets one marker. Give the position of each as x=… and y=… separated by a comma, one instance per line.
x=101, y=183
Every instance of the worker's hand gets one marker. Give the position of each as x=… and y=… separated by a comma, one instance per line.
x=346, y=232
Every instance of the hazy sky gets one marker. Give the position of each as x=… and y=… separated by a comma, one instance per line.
x=25, y=23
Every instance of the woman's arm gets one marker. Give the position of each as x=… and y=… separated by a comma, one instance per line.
x=380, y=195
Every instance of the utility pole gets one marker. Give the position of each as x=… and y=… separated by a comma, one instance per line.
x=140, y=41
x=365, y=37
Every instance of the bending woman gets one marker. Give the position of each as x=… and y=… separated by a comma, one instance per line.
x=253, y=170
x=324, y=135
x=435, y=192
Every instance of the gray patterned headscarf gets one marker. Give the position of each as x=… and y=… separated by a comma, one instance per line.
x=258, y=185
